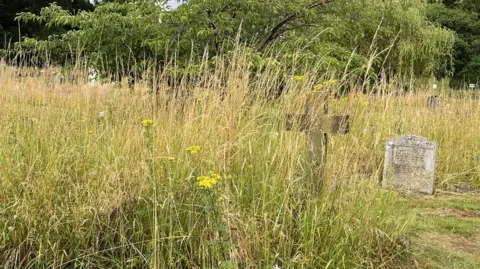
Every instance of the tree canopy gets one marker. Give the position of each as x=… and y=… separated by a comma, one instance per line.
x=9, y=28
x=463, y=18
x=358, y=36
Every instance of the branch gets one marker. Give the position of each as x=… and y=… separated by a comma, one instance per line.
x=274, y=31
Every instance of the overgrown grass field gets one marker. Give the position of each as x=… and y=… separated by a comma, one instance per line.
x=107, y=177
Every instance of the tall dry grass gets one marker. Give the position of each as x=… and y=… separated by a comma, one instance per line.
x=81, y=190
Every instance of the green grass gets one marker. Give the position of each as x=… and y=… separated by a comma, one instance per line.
x=444, y=235
x=461, y=203
x=442, y=258
x=466, y=227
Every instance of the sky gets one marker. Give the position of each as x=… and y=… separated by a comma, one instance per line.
x=172, y=3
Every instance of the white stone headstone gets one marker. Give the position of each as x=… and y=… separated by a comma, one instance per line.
x=410, y=164
x=92, y=76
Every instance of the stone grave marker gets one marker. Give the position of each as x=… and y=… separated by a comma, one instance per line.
x=433, y=102
x=340, y=124
x=57, y=79
x=410, y=164
x=317, y=129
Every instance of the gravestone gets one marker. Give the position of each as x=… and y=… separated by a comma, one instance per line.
x=340, y=124
x=432, y=102
x=316, y=128
x=57, y=80
x=410, y=164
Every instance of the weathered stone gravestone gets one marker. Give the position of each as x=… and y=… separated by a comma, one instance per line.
x=57, y=79
x=433, y=102
x=340, y=124
x=410, y=164
x=317, y=129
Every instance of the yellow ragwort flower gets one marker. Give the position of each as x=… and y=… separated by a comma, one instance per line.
x=364, y=103
x=194, y=149
x=329, y=83
x=298, y=78
x=206, y=182
x=215, y=176
x=147, y=123
x=318, y=87
x=332, y=82
x=171, y=159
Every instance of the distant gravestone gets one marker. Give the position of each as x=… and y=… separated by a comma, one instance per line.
x=57, y=80
x=432, y=102
x=410, y=164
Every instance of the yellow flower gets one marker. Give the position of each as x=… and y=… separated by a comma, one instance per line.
x=298, y=78
x=194, y=149
x=147, y=123
x=329, y=83
x=171, y=159
x=364, y=103
x=344, y=99
x=332, y=82
x=206, y=182
x=318, y=87
x=215, y=176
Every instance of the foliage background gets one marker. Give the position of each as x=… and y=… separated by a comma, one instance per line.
x=360, y=38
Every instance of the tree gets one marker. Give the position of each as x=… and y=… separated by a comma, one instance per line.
x=9, y=28
x=366, y=36
x=463, y=18
x=393, y=34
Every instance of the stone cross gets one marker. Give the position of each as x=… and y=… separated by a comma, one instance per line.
x=410, y=164
x=317, y=129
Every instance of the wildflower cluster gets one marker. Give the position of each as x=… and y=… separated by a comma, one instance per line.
x=147, y=123
x=361, y=101
x=329, y=83
x=343, y=100
x=298, y=78
x=193, y=149
x=208, y=182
